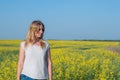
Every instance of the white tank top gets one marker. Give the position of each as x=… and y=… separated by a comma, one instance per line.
x=35, y=63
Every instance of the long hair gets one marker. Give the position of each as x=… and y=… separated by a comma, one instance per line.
x=30, y=37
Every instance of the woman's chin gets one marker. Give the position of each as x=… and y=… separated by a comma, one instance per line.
x=39, y=37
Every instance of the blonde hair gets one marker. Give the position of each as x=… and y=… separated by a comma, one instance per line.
x=30, y=37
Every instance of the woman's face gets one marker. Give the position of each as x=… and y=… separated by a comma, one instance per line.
x=40, y=32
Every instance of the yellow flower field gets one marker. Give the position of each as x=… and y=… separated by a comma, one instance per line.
x=72, y=60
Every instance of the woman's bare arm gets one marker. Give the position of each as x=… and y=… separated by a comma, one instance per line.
x=20, y=62
x=49, y=65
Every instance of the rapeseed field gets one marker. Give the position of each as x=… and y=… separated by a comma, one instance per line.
x=72, y=60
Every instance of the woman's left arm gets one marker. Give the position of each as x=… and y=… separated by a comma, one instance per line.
x=49, y=64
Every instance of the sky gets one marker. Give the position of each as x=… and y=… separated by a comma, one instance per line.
x=63, y=19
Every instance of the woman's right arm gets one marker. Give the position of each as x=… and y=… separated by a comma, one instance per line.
x=20, y=62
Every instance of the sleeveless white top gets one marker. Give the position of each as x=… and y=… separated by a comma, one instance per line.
x=35, y=63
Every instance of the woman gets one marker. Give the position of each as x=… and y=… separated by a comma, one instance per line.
x=34, y=55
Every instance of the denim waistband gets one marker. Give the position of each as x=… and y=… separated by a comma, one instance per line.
x=25, y=77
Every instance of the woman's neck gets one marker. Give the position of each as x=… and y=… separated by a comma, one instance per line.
x=38, y=39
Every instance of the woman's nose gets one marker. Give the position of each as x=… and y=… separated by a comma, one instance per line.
x=41, y=31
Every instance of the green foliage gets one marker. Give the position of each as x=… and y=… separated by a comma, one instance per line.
x=72, y=60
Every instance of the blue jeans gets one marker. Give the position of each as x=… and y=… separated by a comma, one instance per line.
x=24, y=77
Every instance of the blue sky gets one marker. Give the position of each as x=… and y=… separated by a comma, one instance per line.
x=63, y=19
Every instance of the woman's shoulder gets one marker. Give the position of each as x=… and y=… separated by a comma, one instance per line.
x=46, y=42
x=22, y=42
